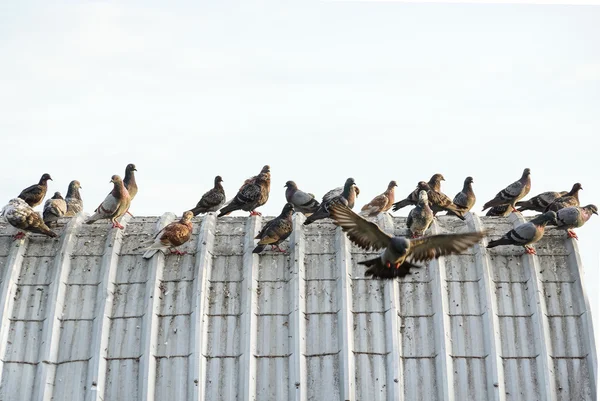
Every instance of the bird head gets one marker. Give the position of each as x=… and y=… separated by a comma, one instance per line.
x=469, y=180
x=218, y=179
x=576, y=187
x=288, y=209
x=130, y=167
x=46, y=177
x=526, y=172
x=290, y=184
x=399, y=245
x=422, y=185
x=115, y=179
x=437, y=178
x=592, y=208
x=266, y=169
x=187, y=216
x=57, y=195
x=392, y=184
x=75, y=184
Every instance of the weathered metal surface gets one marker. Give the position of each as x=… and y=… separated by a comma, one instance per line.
x=85, y=317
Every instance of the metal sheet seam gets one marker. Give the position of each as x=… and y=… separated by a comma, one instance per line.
x=96, y=372
x=247, y=365
x=298, y=370
x=574, y=260
x=8, y=292
x=149, y=329
x=48, y=354
x=394, y=384
x=491, y=325
x=199, y=326
x=541, y=329
x=442, y=326
x=345, y=317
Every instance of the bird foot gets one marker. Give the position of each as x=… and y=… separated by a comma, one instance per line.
x=116, y=224
x=254, y=213
x=129, y=213
x=177, y=252
x=19, y=235
x=388, y=265
x=571, y=234
x=530, y=251
x=273, y=247
x=514, y=210
x=397, y=266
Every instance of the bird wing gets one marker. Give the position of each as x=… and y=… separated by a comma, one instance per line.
x=175, y=234
x=377, y=204
x=461, y=199
x=567, y=216
x=301, y=198
x=332, y=194
x=31, y=192
x=432, y=247
x=363, y=233
x=109, y=206
x=512, y=191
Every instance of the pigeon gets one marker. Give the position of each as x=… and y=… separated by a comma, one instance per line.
x=250, y=196
x=173, y=235
x=399, y=253
x=276, y=230
x=574, y=217
x=22, y=216
x=499, y=211
x=212, y=200
x=527, y=233
x=330, y=198
x=381, y=203
x=114, y=205
x=54, y=208
x=439, y=201
x=512, y=193
x=465, y=199
x=338, y=191
x=567, y=200
x=73, y=199
x=413, y=198
x=129, y=180
x=420, y=218
x=34, y=195
x=303, y=202
x=266, y=169
x=539, y=203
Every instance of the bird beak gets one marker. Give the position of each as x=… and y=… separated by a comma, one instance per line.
x=596, y=213
x=135, y=169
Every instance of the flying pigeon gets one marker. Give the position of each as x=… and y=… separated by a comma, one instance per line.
x=413, y=198
x=420, y=218
x=173, y=235
x=303, y=202
x=539, y=203
x=512, y=193
x=34, y=195
x=129, y=180
x=330, y=198
x=465, y=199
x=22, y=216
x=399, y=253
x=568, y=200
x=212, y=200
x=276, y=230
x=54, y=208
x=381, y=203
x=499, y=211
x=114, y=205
x=574, y=217
x=527, y=233
x=250, y=196
x=73, y=199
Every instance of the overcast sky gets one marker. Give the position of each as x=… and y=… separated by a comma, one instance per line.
x=320, y=91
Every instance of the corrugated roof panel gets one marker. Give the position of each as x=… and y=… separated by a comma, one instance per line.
x=85, y=317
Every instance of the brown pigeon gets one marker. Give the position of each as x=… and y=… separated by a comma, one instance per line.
x=437, y=201
x=346, y=197
x=212, y=200
x=512, y=193
x=399, y=253
x=381, y=203
x=73, y=199
x=527, y=233
x=34, y=195
x=173, y=235
x=568, y=200
x=465, y=199
x=574, y=217
x=276, y=230
x=22, y=216
x=266, y=169
x=250, y=196
x=420, y=218
x=303, y=202
x=114, y=205
x=54, y=208
x=435, y=183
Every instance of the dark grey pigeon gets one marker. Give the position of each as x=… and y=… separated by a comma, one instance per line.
x=330, y=199
x=568, y=200
x=499, y=211
x=129, y=180
x=253, y=194
x=303, y=202
x=34, y=194
x=512, y=193
x=73, y=199
x=212, y=200
x=276, y=230
x=527, y=233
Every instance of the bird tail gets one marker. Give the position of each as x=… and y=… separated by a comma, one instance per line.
x=150, y=252
x=399, y=205
x=501, y=241
x=197, y=210
x=48, y=232
x=522, y=203
x=259, y=249
x=378, y=270
x=318, y=215
x=93, y=218
x=227, y=209
x=457, y=212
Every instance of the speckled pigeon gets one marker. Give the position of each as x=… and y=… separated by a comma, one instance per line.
x=54, y=208
x=173, y=235
x=250, y=196
x=499, y=211
x=114, y=205
x=212, y=200
x=399, y=253
x=539, y=203
x=73, y=199
x=568, y=200
x=330, y=199
x=381, y=203
x=420, y=218
x=527, y=233
x=22, y=216
x=276, y=231
x=303, y=202
x=34, y=195
x=512, y=193
x=574, y=217
x=465, y=199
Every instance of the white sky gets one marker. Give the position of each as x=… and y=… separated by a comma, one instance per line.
x=320, y=91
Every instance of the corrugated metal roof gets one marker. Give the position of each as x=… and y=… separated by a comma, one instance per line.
x=85, y=317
